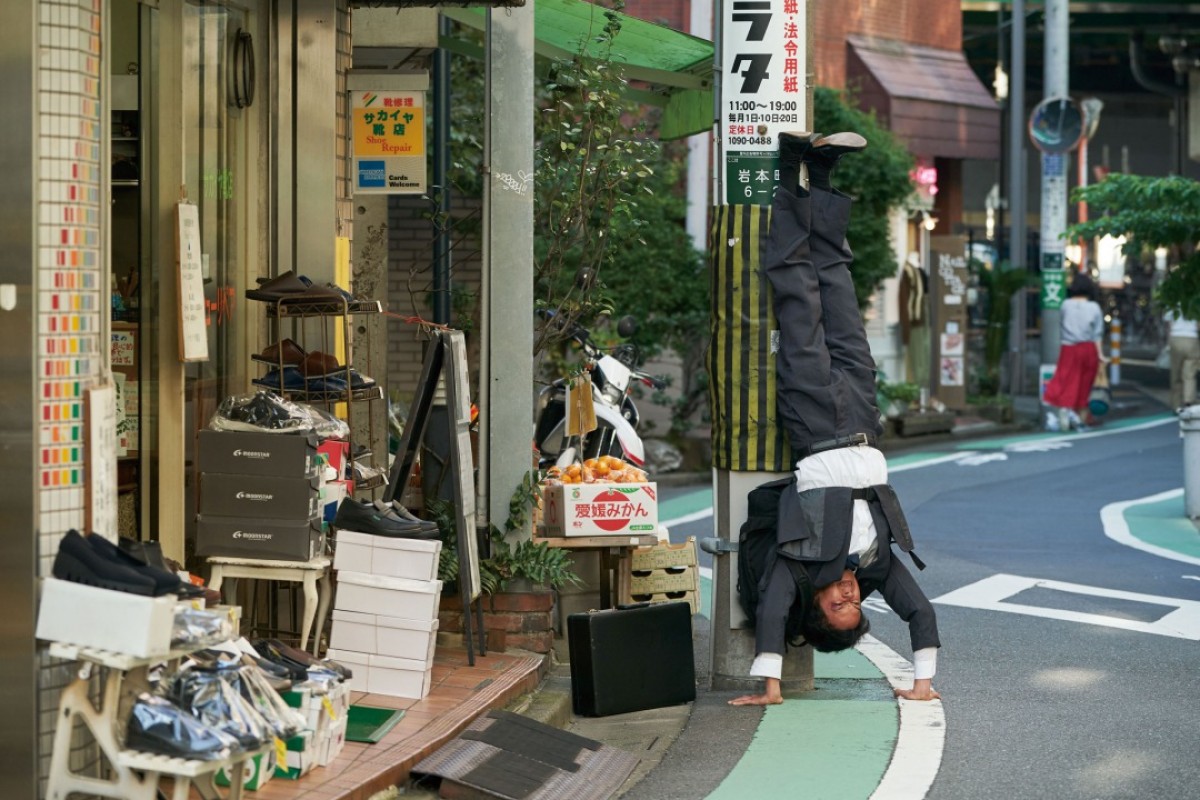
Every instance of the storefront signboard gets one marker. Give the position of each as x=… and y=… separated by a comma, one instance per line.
x=763, y=92
x=388, y=142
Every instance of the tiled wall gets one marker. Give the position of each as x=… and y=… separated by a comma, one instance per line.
x=70, y=284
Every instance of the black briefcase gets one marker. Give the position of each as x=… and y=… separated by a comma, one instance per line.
x=631, y=658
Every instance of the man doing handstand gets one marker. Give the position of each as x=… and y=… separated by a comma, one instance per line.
x=839, y=523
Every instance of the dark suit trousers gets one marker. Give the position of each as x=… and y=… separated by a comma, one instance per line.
x=826, y=376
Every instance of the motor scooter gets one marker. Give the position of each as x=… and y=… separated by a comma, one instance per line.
x=612, y=377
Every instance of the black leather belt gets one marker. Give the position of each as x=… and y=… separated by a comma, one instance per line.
x=852, y=440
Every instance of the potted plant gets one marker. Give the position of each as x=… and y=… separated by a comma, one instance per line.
x=897, y=398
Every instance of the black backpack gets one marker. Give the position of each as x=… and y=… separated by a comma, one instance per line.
x=758, y=551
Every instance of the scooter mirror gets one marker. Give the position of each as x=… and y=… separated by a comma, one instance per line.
x=627, y=326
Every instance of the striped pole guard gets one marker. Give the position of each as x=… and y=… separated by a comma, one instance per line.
x=746, y=434
x=1114, y=346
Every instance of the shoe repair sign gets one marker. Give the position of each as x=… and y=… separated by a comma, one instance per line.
x=763, y=92
x=388, y=141
x=601, y=509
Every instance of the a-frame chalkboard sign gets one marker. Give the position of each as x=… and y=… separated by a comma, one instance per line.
x=446, y=358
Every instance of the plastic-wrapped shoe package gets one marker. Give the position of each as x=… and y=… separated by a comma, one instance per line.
x=248, y=681
x=156, y=725
x=195, y=627
x=326, y=425
x=261, y=412
x=212, y=700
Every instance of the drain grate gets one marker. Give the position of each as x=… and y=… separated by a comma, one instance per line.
x=515, y=758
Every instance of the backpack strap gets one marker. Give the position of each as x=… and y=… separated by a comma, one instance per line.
x=898, y=529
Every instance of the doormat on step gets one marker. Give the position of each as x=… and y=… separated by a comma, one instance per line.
x=515, y=758
x=370, y=724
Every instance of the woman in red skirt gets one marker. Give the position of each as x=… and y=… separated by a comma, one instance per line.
x=1079, y=358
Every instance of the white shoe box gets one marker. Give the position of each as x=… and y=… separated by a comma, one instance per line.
x=356, y=661
x=416, y=559
x=88, y=616
x=392, y=597
x=386, y=636
x=395, y=677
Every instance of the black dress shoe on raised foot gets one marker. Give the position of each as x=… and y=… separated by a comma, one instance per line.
x=78, y=561
x=829, y=149
x=793, y=147
x=364, y=517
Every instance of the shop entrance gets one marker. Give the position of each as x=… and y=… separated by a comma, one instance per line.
x=216, y=136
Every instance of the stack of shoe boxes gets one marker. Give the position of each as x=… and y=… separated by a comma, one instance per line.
x=259, y=496
x=385, y=615
x=325, y=709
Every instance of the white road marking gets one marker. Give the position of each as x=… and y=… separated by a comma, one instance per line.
x=1037, y=446
x=695, y=516
x=982, y=458
x=1191, y=577
x=876, y=604
x=1112, y=517
x=991, y=594
x=931, y=461
x=917, y=756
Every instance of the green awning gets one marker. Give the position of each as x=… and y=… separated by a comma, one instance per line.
x=670, y=68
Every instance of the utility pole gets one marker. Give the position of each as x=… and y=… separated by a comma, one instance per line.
x=1016, y=193
x=1054, y=183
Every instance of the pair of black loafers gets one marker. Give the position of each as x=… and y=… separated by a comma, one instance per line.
x=95, y=561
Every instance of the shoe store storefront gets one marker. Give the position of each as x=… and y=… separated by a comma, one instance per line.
x=151, y=162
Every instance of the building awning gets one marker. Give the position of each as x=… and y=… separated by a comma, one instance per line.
x=928, y=97
x=669, y=68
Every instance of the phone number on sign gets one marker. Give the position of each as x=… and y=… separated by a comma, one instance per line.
x=735, y=140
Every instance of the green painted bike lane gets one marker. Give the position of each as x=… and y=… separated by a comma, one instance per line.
x=838, y=741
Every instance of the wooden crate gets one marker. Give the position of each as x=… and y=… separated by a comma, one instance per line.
x=665, y=555
x=658, y=581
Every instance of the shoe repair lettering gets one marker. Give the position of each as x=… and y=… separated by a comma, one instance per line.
x=259, y=454
x=520, y=186
x=258, y=537
x=256, y=496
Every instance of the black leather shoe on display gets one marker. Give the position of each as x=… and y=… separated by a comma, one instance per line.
x=364, y=517
x=159, y=726
x=164, y=582
x=79, y=561
x=405, y=514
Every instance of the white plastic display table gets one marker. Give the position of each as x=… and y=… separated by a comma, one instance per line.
x=310, y=573
x=134, y=775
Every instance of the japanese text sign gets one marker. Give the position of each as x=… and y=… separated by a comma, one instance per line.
x=763, y=91
x=388, y=140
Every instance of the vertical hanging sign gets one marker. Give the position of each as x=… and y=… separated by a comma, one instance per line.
x=193, y=316
x=388, y=141
x=763, y=92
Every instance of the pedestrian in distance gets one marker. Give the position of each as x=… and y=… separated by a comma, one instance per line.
x=1079, y=357
x=838, y=522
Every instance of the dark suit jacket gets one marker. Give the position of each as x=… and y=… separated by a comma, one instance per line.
x=815, y=528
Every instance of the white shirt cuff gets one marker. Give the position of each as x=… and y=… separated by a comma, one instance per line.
x=767, y=665
x=925, y=663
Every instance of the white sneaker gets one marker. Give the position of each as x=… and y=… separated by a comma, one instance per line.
x=1051, y=422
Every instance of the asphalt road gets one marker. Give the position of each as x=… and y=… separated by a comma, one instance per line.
x=1040, y=700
